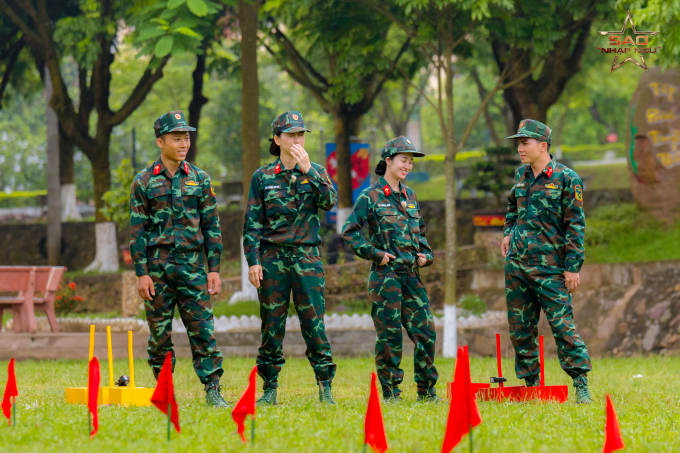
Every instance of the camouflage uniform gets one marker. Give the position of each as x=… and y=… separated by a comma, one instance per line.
x=281, y=233
x=546, y=224
x=172, y=219
x=397, y=292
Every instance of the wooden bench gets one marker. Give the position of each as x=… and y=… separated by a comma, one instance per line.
x=28, y=282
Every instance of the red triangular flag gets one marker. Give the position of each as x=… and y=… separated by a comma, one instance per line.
x=246, y=405
x=612, y=432
x=374, y=428
x=165, y=392
x=463, y=411
x=10, y=392
x=93, y=394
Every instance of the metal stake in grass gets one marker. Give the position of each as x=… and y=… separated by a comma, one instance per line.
x=252, y=429
x=169, y=408
x=14, y=411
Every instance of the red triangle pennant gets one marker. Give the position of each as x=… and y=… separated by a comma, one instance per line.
x=463, y=411
x=612, y=432
x=164, y=394
x=11, y=392
x=93, y=381
x=246, y=405
x=374, y=427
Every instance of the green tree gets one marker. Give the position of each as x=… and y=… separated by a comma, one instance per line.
x=495, y=173
x=342, y=56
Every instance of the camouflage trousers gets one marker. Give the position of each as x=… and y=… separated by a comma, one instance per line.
x=304, y=276
x=184, y=286
x=528, y=290
x=400, y=299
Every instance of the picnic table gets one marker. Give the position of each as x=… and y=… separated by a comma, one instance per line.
x=36, y=288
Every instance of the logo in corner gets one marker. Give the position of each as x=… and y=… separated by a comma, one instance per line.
x=617, y=39
x=578, y=193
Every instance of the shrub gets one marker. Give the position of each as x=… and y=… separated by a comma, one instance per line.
x=66, y=300
x=472, y=304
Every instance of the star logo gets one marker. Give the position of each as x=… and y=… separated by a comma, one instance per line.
x=178, y=116
x=295, y=117
x=629, y=40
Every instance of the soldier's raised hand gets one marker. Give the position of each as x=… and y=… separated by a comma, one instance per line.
x=301, y=157
x=255, y=275
x=145, y=287
x=386, y=258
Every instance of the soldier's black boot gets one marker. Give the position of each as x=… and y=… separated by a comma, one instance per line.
x=532, y=381
x=325, y=395
x=213, y=397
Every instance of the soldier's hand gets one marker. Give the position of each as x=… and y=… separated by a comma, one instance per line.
x=505, y=246
x=301, y=157
x=214, y=283
x=145, y=287
x=572, y=281
x=255, y=275
x=386, y=258
x=422, y=259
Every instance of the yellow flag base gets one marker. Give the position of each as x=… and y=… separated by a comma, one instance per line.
x=127, y=396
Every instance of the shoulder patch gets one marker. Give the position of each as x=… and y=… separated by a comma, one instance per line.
x=578, y=192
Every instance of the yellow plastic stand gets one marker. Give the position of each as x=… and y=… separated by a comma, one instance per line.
x=78, y=395
x=131, y=395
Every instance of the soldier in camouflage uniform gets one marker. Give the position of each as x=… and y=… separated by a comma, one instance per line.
x=543, y=246
x=398, y=248
x=173, y=217
x=282, y=245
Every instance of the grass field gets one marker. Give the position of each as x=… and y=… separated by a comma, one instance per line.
x=648, y=409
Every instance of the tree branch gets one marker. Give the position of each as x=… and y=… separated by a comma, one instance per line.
x=9, y=7
x=300, y=61
x=14, y=56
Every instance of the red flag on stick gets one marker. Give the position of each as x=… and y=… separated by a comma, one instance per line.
x=246, y=405
x=374, y=428
x=164, y=395
x=10, y=392
x=93, y=381
x=612, y=432
x=463, y=411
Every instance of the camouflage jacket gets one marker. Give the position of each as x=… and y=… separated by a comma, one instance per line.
x=395, y=226
x=545, y=217
x=177, y=213
x=283, y=209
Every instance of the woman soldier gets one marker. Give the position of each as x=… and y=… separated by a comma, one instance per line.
x=398, y=248
x=282, y=246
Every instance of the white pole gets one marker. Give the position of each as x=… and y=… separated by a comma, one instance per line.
x=248, y=291
x=450, y=333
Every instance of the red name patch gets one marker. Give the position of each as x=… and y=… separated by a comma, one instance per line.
x=156, y=170
x=549, y=171
x=277, y=169
x=387, y=190
x=186, y=167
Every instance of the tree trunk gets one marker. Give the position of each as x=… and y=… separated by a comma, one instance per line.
x=250, y=94
x=346, y=126
x=69, y=206
x=197, y=102
x=450, y=297
x=53, y=184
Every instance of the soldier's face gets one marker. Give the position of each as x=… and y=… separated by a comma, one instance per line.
x=400, y=165
x=530, y=150
x=174, y=145
x=287, y=139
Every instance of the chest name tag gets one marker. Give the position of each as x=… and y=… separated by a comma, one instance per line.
x=156, y=184
x=191, y=183
x=520, y=184
x=276, y=186
x=384, y=205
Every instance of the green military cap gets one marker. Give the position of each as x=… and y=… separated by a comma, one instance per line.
x=398, y=145
x=289, y=122
x=171, y=122
x=533, y=129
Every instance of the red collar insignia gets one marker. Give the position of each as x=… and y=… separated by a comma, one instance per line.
x=156, y=169
x=404, y=188
x=387, y=189
x=549, y=171
x=186, y=168
x=277, y=169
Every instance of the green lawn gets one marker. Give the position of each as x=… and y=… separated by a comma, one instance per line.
x=648, y=409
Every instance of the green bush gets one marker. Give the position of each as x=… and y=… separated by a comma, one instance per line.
x=117, y=199
x=472, y=304
x=609, y=223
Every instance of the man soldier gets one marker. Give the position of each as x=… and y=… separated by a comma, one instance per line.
x=173, y=217
x=283, y=248
x=543, y=246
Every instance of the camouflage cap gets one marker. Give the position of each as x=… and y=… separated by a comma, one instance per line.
x=288, y=122
x=533, y=129
x=171, y=122
x=398, y=145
